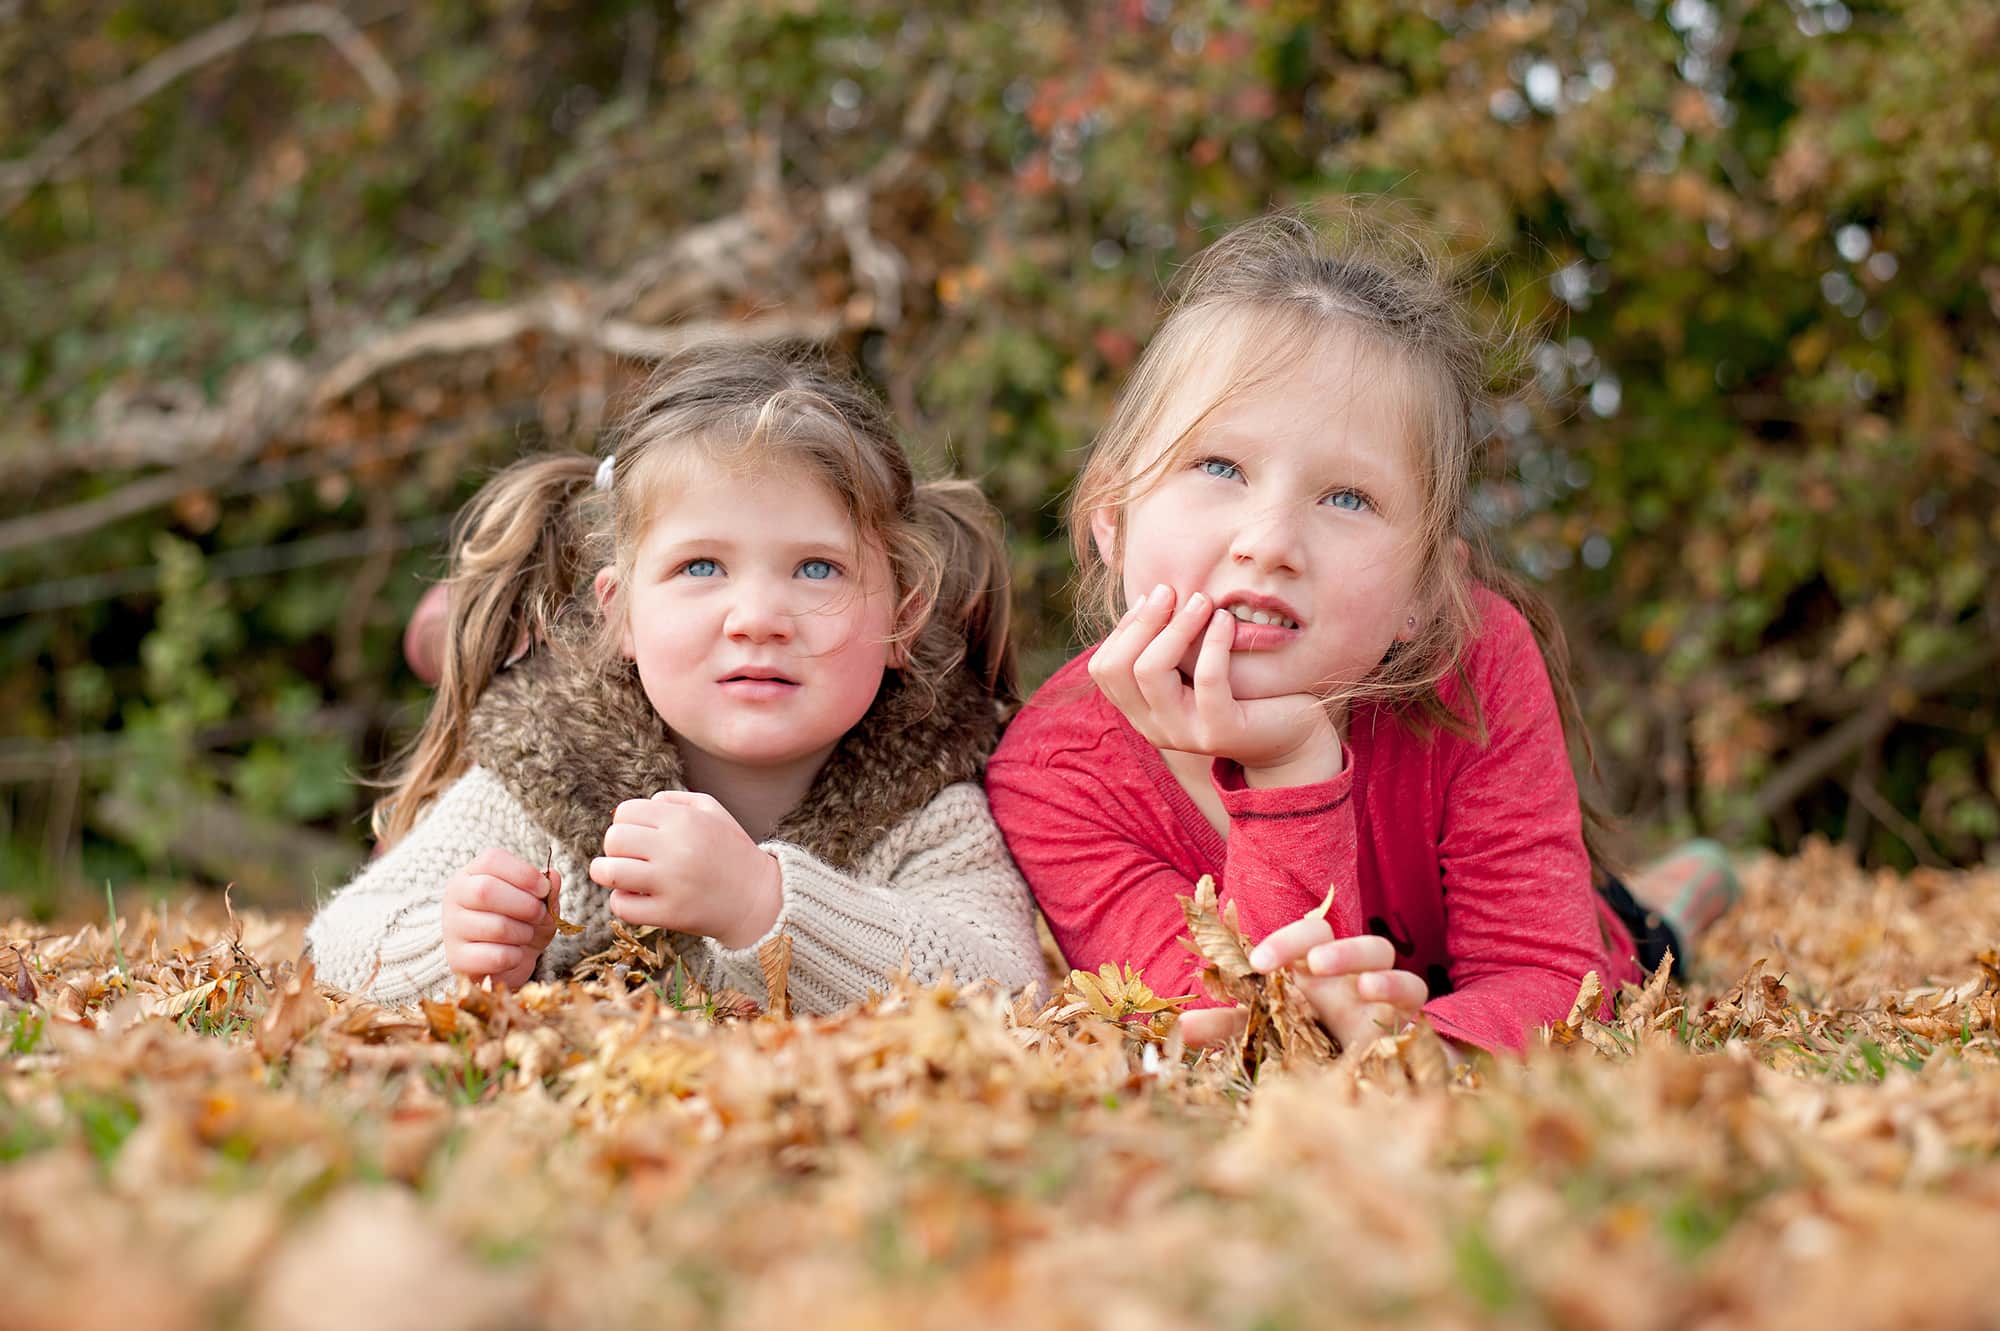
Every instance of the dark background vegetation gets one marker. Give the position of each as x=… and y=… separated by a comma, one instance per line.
x=280, y=285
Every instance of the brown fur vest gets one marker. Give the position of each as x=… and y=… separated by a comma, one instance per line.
x=571, y=740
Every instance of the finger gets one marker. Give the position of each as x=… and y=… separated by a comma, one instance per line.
x=1281, y=947
x=620, y=874
x=1398, y=989
x=1215, y=706
x=479, y=926
x=686, y=799
x=483, y=959
x=1111, y=664
x=639, y=908
x=1352, y=956
x=507, y=867
x=639, y=813
x=1205, y=1027
x=495, y=896
x=1158, y=669
x=678, y=807
x=632, y=841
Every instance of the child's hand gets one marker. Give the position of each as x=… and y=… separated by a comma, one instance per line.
x=1351, y=983
x=496, y=918
x=678, y=861
x=1284, y=741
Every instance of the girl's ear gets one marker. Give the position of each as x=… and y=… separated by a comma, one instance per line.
x=606, y=586
x=1104, y=534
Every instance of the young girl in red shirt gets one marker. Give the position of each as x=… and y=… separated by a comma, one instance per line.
x=1322, y=684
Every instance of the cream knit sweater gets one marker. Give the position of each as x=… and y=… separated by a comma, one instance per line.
x=938, y=891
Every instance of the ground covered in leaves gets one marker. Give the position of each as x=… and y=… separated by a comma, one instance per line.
x=192, y=1133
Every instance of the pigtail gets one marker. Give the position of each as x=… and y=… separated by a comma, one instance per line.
x=518, y=558
x=959, y=597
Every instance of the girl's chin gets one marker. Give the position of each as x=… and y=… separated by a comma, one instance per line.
x=1252, y=680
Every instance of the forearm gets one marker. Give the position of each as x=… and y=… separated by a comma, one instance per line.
x=382, y=934
x=1289, y=848
x=960, y=909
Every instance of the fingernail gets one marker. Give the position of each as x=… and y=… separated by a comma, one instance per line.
x=1261, y=958
x=1160, y=595
x=1197, y=603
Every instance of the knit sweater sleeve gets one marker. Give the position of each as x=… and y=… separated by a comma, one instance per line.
x=938, y=893
x=382, y=935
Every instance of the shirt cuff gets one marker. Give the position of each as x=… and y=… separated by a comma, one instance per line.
x=1310, y=801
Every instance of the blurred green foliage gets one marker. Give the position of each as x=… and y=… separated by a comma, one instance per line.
x=1755, y=241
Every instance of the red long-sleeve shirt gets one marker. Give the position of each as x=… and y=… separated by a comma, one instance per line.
x=1468, y=857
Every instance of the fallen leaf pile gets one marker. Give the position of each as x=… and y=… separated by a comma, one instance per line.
x=193, y=1132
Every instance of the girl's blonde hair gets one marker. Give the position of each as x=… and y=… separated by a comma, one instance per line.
x=1253, y=305
x=529, y=543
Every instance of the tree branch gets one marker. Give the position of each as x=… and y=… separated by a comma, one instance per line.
x=20, y=178
x=151, y=492
x=1817, y=760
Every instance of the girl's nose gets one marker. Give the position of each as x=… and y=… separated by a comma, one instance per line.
x=1267, y=539
x=758, y=614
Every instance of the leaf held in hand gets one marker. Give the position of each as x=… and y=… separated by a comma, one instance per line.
x=1282, y=1022
x=548, y=876
x=1216, y=937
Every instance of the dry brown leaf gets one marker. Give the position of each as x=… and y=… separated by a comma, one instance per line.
x=1589, y=1001
x=17, y=980
x=1280, y=1022
x=1647, y=1002
x=1213, y=935
x=774, y=956
x=555, y=907
x=296, y=1009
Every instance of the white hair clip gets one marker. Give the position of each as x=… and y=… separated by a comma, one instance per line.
x=604, y=470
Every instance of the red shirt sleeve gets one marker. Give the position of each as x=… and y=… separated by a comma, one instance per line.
x=1287, y=846
x=1097, y=845
x=1521, y=924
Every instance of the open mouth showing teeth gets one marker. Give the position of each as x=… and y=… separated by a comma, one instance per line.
x=1249, y=616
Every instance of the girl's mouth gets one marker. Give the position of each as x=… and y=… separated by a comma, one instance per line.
x=757, y=685
x=1247, y=615
x=1263, y=623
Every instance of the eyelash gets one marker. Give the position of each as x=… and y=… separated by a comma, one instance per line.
x=1203, y=465
x=833, y=570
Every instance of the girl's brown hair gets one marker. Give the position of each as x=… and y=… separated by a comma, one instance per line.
x=1253, y=305
x=528, y=545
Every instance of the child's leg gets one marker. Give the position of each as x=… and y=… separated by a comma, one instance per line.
x=1691, y=886
x=1684, y=891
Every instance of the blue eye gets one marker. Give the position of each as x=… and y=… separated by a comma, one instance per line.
x=817, y=570
x=701, y=568
x=1219, y=468
x=1353, y=501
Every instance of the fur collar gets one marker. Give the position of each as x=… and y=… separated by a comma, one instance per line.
x=571, y=740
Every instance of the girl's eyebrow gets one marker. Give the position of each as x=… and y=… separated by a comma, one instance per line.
x=810, y=544
x=1356, y=465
